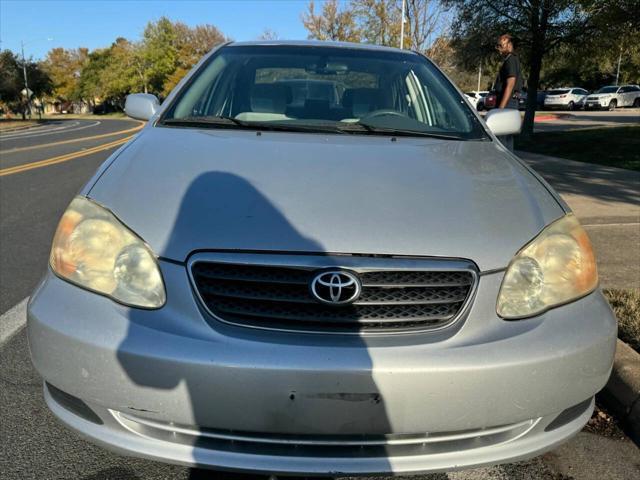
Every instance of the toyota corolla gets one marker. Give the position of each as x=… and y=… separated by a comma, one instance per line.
x=353, y=277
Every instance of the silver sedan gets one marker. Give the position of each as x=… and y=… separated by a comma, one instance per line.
x=361, y=282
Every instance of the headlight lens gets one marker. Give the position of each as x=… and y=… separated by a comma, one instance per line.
x=92, y=249
x=557, y=267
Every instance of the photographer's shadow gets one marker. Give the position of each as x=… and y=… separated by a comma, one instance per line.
x=240, y=211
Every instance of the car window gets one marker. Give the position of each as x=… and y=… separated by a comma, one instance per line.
x=557, y=92
x=307, y=86
x=608, y=90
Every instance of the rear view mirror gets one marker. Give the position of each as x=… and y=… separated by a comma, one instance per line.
x=141, y=106
x=504, y=121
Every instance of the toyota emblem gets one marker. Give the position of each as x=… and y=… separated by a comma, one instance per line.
x=336, y=287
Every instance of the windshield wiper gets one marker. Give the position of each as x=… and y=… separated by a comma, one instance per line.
x=403, y=132
x=204, y=122
x=214, y=122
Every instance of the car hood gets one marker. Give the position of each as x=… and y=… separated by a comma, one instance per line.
x=184, y=190
x=601, y=95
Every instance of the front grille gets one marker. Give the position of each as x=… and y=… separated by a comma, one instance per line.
x=279, y=296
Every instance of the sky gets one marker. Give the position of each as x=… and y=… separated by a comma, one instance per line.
x=46, y=24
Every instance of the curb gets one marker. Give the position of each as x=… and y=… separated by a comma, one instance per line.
x=552, y=116
x=622, y=392
x=24, y=127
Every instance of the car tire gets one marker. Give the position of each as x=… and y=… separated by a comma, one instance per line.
x=612, y=105
x=636, y=103
x=572, y=106
x=479, y=107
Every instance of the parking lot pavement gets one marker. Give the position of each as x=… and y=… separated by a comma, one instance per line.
x=580, y=119
x=607, y=202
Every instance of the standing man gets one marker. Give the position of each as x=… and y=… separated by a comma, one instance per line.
x=508, y=83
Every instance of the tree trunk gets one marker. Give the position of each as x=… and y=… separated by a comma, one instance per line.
x=535, y=65
x=539, y=23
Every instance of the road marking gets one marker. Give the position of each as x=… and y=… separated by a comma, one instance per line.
x=62, y=158
x=611, y=224
x=63, y=129
x=12, y=321
x=75, y=140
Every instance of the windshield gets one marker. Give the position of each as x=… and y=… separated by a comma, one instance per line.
x=608, y=90
x=316, y=88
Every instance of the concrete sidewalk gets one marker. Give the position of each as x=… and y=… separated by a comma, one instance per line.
x=607, y=201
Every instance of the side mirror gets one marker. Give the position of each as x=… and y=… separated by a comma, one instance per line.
x=504, y=121
x=141, y=106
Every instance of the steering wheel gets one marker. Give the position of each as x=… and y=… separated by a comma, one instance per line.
x=382, y=112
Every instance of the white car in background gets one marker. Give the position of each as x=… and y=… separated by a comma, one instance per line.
x=570, y=98
x=477, y=99
x=473, y=98
x=614, y=96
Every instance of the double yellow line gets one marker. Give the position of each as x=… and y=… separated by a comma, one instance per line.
x=68, y=156
x=74, y=140
x=63, y=158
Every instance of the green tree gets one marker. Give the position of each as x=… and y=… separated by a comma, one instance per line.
x=157, y=55
x=64, y=67
x=12, y=81
x=191, y=45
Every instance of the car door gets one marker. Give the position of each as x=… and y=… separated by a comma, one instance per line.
x=623, y=96
x=634, y=94
x=583, y=94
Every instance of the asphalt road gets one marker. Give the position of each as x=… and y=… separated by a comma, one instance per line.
x=40, y=172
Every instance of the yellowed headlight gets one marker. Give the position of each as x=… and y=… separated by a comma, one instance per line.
x=92, y=249
x=557, y=267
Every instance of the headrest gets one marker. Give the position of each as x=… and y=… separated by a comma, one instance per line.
x=269, y=98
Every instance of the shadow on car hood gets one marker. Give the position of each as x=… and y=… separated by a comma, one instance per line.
x=183, y=190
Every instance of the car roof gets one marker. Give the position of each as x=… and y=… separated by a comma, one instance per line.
x=319, y=43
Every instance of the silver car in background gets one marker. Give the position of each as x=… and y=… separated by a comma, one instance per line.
x=366, y=284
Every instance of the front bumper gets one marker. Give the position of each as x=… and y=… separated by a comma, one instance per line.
x=596, y=105
x=169, y=385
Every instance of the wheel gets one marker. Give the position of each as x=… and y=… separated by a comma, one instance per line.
x=572, y=106
x=479, y=107
x=636, y=103
x=612, y=105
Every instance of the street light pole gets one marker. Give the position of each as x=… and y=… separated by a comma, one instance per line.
x=618, y=71
x=402, y=27
x=26, y=83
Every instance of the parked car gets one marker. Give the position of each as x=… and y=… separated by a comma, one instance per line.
x=490, y=101
x=473, y=98
x=482, y=96
x=614, y=96
x=377, y=286
x=522, y=101
x=540, y=96
x=570, y=98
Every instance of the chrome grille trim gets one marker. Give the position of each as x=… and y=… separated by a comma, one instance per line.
x=434, y=293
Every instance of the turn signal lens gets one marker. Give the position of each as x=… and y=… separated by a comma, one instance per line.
x=94, y=250
x=557, y=267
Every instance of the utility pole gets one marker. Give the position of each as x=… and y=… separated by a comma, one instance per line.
x=26, y=83
x=479, y=75
x=618, y=71
x=402, y=27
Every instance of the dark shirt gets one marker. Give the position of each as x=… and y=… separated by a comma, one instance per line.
x=510, y=68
